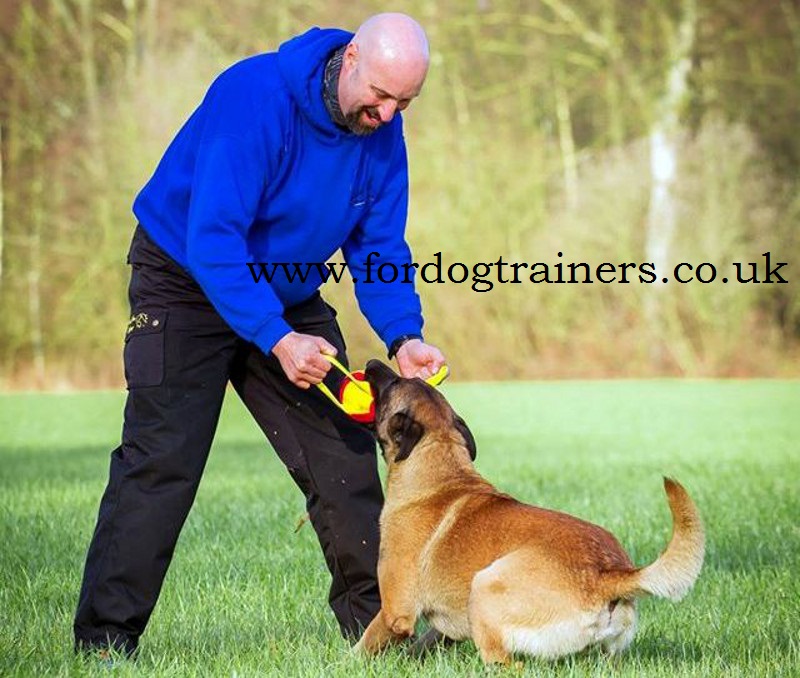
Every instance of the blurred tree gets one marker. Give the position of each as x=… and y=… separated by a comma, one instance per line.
x=535, y=134
x=2, y=208
x=664, y=137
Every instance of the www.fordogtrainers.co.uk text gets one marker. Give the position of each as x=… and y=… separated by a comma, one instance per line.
x=483, y=276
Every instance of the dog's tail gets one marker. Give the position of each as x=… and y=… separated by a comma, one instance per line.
x=676, y=569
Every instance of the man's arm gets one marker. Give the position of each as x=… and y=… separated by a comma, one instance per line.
x=232, y=167
x=393, y=309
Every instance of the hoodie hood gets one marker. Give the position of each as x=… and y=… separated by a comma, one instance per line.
x=301, y=61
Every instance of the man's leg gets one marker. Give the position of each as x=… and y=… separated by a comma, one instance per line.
x=177, y=357
x=331, y=458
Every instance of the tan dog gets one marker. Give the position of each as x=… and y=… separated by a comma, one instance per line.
x=477, y=563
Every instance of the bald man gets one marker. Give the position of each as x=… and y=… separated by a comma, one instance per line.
x=290, y=157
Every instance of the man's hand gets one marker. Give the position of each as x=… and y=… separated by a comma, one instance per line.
x=300, y=356
x=418, y=359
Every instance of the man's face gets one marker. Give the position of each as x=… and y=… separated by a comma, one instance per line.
x=371, y=90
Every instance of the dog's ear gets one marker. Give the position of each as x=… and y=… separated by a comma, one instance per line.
x=405, y=432
x=469, y=439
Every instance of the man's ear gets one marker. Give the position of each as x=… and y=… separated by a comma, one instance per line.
x=469, y=439
x=350, y=55
x=405, y=432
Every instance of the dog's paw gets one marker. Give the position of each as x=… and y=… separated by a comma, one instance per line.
x=360, y=649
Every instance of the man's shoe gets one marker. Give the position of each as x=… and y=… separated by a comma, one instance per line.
x=104, y=659
x=107, y=655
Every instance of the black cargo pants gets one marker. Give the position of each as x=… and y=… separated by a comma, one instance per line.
x=179, y=357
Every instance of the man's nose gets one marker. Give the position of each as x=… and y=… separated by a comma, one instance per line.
x=386, y=110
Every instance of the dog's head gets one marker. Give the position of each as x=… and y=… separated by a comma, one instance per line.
x=408, y=412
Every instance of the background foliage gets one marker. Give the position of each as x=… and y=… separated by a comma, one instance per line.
x=534, y=135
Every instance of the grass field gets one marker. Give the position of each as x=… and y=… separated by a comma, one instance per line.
x=246, y=595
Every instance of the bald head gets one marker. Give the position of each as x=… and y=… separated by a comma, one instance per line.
x=394, y=39
x=383, y=70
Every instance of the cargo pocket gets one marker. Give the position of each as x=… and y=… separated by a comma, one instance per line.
x=144, y=349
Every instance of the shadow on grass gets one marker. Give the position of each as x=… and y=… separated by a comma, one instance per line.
x=652, y=649
x=642, y=651
x=64, y=463
x=92, y=461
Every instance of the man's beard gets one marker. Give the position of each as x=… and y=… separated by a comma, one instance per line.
x=354, y=124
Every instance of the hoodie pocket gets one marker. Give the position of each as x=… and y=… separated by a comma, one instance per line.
x=361, y=199
x=360, y=193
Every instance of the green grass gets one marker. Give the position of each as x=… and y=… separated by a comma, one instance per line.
x=246, y=595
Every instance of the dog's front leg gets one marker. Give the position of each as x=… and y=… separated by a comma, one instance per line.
x=398, y=585
x=384, y=629
x=377, y=636
x=397, y=616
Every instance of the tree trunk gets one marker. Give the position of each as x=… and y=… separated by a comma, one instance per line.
x=566, y=141
x=147, y=36
x=2, y=209
x=664, y=165
x=613, y=93
x=36, y=335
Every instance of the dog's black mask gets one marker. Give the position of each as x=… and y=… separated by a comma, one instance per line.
x=403, y=430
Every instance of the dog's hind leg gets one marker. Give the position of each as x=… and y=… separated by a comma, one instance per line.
x=486, y=615
x=515, y=607
x=489, y=641
x=621, y=627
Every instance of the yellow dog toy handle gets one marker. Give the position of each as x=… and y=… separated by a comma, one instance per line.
x=439, y=377
x=433, y=380
x=360, y=384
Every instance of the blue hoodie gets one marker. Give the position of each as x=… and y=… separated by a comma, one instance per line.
x=261, y=173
